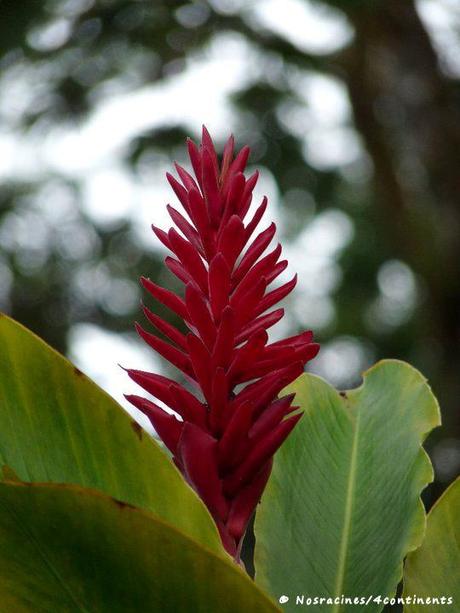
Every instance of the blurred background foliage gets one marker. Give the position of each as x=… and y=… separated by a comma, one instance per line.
x=352, y=110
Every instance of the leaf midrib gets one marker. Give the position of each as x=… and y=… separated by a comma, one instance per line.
x=345, y=538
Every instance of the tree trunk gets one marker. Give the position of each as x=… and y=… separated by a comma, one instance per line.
x=408, y=113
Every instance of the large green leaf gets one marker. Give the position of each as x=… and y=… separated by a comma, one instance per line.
x=56, y=425
x=64, y=548
x=342, y=506
x=433, y=571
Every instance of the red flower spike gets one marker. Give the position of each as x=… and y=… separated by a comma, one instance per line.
x=252, y=225
x=200, y=315
x=170, y=353
x=243, y=505
x=219, y=285
x=254, y=251
x=186, y=178
x=272, y=416
x=188, y=406
x=167, y=329
x=166, y=297
x=195, y=159
x=225, y=340
x=187, y=229
x=168, y=428
x=227, y=158
x=227, y=437
x=266, y=322
x=178, y=270
x=235, y=434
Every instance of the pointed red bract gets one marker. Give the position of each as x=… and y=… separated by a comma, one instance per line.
x=224, y=439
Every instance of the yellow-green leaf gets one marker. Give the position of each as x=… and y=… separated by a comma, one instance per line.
x=65, y=549
x=57, y=426
x=342, y=507
x=432, y=573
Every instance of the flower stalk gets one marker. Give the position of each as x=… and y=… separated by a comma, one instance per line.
x=223, y=436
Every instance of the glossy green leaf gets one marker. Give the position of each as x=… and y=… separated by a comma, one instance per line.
x=64, y=548
x=432, y=573
x=342, y=507
x=57, y=426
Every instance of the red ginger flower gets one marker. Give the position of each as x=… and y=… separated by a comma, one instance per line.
x=225, y=442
